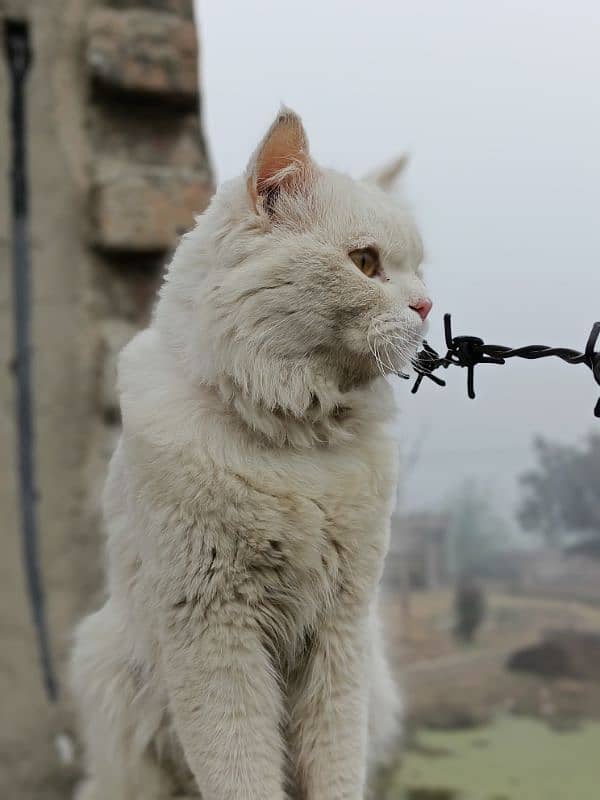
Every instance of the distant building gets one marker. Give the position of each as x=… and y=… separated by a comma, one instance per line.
x=418, y=550
x=588, y=548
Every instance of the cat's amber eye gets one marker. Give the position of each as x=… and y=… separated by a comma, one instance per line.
x=367, y=260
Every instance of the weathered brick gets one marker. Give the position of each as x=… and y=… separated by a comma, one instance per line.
x=145, y=209
x=145, y=52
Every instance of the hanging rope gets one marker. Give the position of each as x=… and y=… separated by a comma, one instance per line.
x=469, y=351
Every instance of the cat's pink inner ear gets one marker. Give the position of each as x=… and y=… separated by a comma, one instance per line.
x=281, y=159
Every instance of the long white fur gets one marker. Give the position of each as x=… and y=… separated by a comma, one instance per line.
x=239, y=652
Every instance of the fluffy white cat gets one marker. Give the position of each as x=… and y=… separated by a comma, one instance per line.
x=239, y=652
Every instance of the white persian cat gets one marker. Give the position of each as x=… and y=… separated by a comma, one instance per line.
x=239, y=652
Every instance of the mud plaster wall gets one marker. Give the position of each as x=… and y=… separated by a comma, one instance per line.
x=118, y=167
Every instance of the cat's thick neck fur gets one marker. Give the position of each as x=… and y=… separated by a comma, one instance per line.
x=161, y=403
x=333, y=417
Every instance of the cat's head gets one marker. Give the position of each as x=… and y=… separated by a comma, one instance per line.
x=298, y=283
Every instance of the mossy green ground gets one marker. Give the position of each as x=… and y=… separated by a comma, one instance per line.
x=512, y=759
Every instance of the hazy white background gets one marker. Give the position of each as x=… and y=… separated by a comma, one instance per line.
x=499, y=104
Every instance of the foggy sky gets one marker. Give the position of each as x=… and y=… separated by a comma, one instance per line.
x=499, y=105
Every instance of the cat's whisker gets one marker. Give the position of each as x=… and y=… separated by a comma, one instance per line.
x=375, y=351
x=387, y=366
x=404, y=346
x=399, y=349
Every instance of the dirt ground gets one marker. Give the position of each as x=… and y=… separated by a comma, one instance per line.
x=474, y=728
x=428, y=661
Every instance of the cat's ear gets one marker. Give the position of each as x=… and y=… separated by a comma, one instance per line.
x=387, y=176
x=281, y=161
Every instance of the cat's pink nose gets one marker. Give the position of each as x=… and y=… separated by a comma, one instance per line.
x=422, y=307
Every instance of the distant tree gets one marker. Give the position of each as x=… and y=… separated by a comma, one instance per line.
x=476, y=532
x=561, y=495
x=469, y=609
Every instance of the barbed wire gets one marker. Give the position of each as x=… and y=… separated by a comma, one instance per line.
x=469, y=351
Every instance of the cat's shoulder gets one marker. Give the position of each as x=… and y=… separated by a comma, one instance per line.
x=158, y=402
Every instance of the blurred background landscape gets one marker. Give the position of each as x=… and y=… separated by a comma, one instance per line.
x=492, y=589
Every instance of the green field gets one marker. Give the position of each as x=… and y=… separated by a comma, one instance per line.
x=514, y=758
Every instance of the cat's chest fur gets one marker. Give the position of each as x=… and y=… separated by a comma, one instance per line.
x=285, y=530
x=305, y=530
x=343, y=498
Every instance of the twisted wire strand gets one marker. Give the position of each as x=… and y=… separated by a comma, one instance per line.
x=469, y=351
